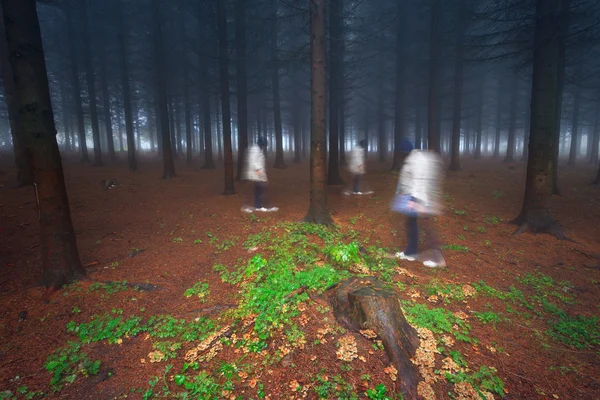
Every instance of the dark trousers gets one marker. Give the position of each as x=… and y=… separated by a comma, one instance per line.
x=260, y=194
x=356, y=183
x=412, y=235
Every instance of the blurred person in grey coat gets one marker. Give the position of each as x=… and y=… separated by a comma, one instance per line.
x=357, y=166
x=420, y=192
x=255, y=171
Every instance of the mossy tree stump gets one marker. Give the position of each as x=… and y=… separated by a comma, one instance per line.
x=367, y=303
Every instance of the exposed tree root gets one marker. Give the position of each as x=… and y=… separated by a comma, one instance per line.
x=535, y=225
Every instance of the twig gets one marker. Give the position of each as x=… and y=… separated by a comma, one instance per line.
x=91, y=264
x=10, y=362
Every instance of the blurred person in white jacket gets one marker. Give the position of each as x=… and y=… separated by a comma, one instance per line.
x=357, y=166
x=421, y=180
x=255, y=171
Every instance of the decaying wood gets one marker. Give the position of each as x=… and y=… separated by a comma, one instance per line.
x=367, y=303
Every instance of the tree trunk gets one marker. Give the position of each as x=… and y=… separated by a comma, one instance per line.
x=218, y=133
x=333, y=171
x=514, y=100
x=22, y=157
x=433, y=135
x=161, y=85
x=279, y=161
x=297, y=130
x=60, y=256
x=535, y=213
x=318, y=211
x=65, y=110
x=595, y=140
x=481, y=101
x=574, y=149
x=110, y=144
x=418, y=128
x=381, y=134
x=458, y=90
x=76, y=85
x=242, y=95
x=89, y=72
x=399, y=92
x=597, y=180
x=122, y=35
x=225, y=106
x=176, y=120
x=367, y=303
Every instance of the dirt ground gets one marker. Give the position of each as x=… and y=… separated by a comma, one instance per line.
x=164, y=218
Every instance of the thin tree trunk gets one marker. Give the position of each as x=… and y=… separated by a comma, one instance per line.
x=434, y=68
x=207, y=120
x=106, y=101
x=219, y=132
x=176, y=120
x=125, y=84
x=499, y=120
x=89, y=72
x=399, y=92
x=65, y=110
x=76, y=85
x=225, y=106
x=481, y=101
x=595, y=140
x=574, y=149
x=381, y=133
x=60, y=256
x=242, y=95
x=297, y=130
x=318, y=211
x=535, y=213
x=458, y=90
x=161, y=84
x=279, y=161
x=512, y=129
x=418, y=128
x=22, y=157
x=333, y=172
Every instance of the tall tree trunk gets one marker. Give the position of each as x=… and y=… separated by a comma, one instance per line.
x=207, y=121
x=399, y=92
x=381, y=133
x=535, y=213
x=151, y=129
x=595, y=140
x=333, y=172
x=242, y=95
x=574, y=149
x=122, y=35
x=297, y=130
x=22, y=156
x=60, y=256
x=225, y=106
x=76, y=85
x=219, y=132
x=110, y=144
x=512, y=129
x=161, y=85
x=279, y=161
x=418, y=127
x=597, y=180
x=458, y=89
x=120, y=132
x=481, y=101
x=342, y=120
x=89, y=72
x=499, y=119
x=318, y=211
x=66, y=112
x=433, y=135
x=564, y=27
x=176, y=119
x=137, y=130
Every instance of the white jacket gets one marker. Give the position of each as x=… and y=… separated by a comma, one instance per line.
x=356, y=161
x=421, y=177
x=255, y=165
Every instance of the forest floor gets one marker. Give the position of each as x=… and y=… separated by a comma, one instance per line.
x=188, y=297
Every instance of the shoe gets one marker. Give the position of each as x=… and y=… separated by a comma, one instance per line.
x=433, y=264
x=403, y=256
x=272, y=209
x=262, y=209
x=357, y=193
x=247, y=209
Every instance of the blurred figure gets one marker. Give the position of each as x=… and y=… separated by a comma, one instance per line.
x=418, y=196
x=255, y=171
x=356, y=166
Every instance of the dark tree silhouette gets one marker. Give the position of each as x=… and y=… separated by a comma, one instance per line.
x=241, y=80
x=433, y=136
x=458, y=88
x=24, y=174
x=535, y=214
x=122, y=35
x=317, y=211
x=399, y=92
x=60, y=256
x=335, y=13
x=225, y=106
x=279, y=161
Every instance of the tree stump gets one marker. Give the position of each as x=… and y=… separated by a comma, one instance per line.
x=367, y=303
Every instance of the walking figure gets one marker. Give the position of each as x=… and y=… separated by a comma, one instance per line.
x=255, y=171
x=418, y=196
x=357, y=167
